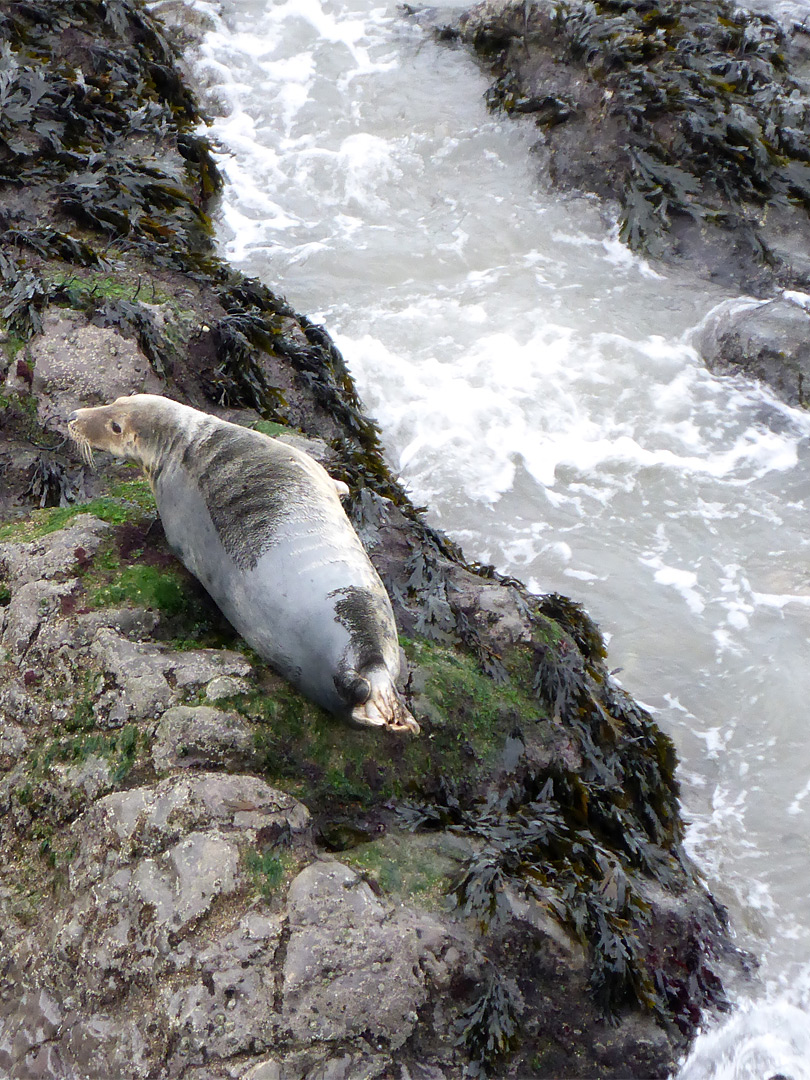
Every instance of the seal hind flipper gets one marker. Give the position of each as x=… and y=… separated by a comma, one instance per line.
x=382, y=706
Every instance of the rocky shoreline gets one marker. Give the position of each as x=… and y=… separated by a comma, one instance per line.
x=692, y=121
x=205, y=876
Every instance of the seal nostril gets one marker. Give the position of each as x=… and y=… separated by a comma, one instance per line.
x=73, y=416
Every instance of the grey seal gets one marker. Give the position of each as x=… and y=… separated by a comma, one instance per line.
x=260, y=524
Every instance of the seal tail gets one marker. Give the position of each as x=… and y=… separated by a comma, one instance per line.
x=383, y=707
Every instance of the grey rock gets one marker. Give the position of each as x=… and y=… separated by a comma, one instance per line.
x=93, y=776
x=189, y=24
x=200, y=666
x=497, y=605
x=213, y=1071
x=17, y=704
x=183, y=883
x=149, y=820
x=353, y=965
x=139, y=672
x=54, y=554
x=152, y=677
x=350, y=1067
x=768, y=341
x=76, y=364
x=153, y=866
x=97, y=1046
x=30, y=605
x=322, y=1062
x=13, y=741
x=27, y=1025
x=786, y=243
x=227, y=1008
x=193, y=736
x=323, y=453
x=423, y=1071
x=80, y=631
x=224, y=686
x=264, y=1070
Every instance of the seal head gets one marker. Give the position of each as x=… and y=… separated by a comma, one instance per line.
x=260, y=524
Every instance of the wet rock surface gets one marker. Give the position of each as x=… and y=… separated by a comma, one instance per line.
x=768, y=341
x=191, y=736
x=347, y=945
x=204, y=875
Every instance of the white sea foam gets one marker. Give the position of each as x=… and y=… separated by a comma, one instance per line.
x=537, y=385
x=757, y=1042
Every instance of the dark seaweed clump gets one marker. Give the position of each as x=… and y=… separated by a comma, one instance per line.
x=708, y=121
x=254, y=325
x=739, y=136
x=96, y=140
x=488, y=1028
x=537, y=843
x=438, y=615
x=78, y=123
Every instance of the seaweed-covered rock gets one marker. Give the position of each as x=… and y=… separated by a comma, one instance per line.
x=693, y=116
x=512, y=895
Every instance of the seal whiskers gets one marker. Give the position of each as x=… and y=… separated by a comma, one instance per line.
x=84, y=448
x=261, y=525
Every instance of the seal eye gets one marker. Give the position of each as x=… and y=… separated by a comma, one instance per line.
x=116, y=427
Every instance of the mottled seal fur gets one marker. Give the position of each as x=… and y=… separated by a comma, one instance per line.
x=260, y=524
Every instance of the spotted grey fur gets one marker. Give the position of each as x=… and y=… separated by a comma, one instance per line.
x=246, y=493
x=261, y=525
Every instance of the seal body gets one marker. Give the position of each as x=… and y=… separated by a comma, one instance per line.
x=261, y=525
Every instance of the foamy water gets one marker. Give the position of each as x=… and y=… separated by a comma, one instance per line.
x=536, y=387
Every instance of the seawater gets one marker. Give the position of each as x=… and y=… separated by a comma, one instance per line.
x=537, y=388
